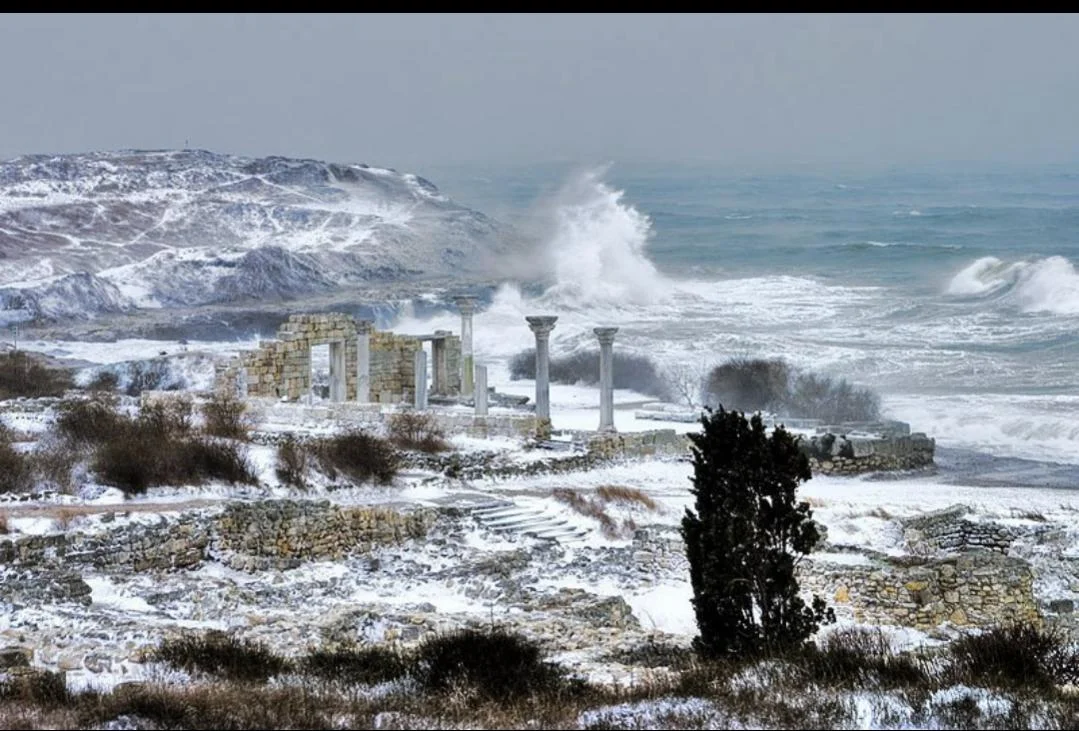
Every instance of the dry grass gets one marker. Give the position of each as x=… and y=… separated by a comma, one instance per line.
x=65, y=516
x=3, y=524
x=596, y=507
x=627, y=495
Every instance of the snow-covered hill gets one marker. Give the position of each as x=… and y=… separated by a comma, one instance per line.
x=95, y=233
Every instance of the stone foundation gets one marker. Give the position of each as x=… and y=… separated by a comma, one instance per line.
x=842, y=455
x=949, y=531
x=979, y=588
x=248, y=536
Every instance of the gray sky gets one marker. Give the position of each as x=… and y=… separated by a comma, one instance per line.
x=416, y=91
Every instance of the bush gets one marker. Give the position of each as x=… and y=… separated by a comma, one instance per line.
x=16, y=474
x=22, y=375
x=634, y=372
x=156, y=447
x=293, y=459
x=225, y=416
x=222, y=655
x=755, y=384
x=417, y=430
x=1015, y=655
x=53, y=462
x=83, y=422
x=749, y=384
x=104, y=381
x=356, y=665
x=745, y=537
x=495, y=664
x=141, y=459
x=359, y=456
x=859, y=657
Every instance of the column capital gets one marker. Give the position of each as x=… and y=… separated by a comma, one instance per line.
x=364, y=327
x=605, y=334
x=541, y=324
x=465, y=304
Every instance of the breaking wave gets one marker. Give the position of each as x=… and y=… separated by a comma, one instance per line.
x=1043, y=285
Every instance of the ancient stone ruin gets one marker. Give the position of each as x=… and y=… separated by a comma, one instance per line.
x=366, y=365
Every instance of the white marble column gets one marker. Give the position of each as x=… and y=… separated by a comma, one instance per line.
x=606, y=376
x=363, y=361
x=467, y=306
x=481, y=390
x=541, y=326
x=419, y=391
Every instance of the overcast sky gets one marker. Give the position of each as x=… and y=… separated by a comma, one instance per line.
x=417, y=91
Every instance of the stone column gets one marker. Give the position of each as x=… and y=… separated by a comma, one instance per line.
x=441, y=370
x=541, y=327
x=481, y=390
x=467, y=306
x=363, y=361
x=606, y=376
x=337, y=371
x=420, y=390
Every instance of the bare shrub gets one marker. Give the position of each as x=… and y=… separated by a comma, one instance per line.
x=53, y=463
x=354, y=665
x=495, y=664
x=222, y=655
x=143, y=459
x=757, y=384
x=3, y=524
x=104, y=381
x=82, y=422
x=16, y=474
x=23, y=375
x=748, y=384
x=635, y=372
x=358, y=456
x=417, y=430
x=167, y=418
x=293, y=462
x=226, y=416
x=1018, y=655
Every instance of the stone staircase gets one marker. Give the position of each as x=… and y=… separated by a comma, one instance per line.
x=507, y=516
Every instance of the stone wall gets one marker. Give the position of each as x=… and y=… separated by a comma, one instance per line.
x=282, y=367
x=980, y=588
x=949, y=531
x=248, y=536
x=285, y=533
x=637, y=444
x=393, y=368
x=842, y=455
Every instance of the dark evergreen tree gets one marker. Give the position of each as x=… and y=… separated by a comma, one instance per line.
x=746, y=537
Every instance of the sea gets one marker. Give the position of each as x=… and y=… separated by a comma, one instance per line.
x=953, y=293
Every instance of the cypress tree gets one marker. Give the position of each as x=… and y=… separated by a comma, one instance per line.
x=746, y=536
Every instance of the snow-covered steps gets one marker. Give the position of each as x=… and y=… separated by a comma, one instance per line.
x=536, y=522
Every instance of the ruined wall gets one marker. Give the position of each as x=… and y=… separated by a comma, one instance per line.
x=980, y=588
x=285, y=533
x=282, y=367
x=832, y=455
x=393, y=368
x=637, y=444
x=949, y=531
x=248, y=536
